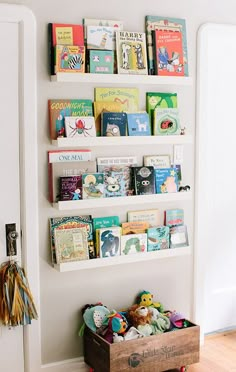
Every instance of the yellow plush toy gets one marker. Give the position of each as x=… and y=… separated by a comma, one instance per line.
x=145, y=298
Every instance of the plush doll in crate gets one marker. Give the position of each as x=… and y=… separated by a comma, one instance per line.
x=116, y=325
x=145, y=298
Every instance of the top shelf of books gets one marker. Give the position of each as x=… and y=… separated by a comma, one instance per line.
x=65, y=77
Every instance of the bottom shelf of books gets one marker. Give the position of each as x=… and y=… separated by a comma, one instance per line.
x=109, y=261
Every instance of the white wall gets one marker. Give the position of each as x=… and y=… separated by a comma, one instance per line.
x=63, y=295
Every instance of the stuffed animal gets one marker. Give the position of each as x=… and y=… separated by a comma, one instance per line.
x=116, y=325
x=93, y=316
x=145, y=298
x=140, y=318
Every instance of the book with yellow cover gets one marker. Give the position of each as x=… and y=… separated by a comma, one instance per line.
x=127, y=97
x=135, y=227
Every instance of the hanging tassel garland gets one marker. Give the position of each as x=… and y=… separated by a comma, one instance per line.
x=16, y=301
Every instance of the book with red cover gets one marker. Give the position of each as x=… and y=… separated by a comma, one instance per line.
x=168, y=56
x=63, y=34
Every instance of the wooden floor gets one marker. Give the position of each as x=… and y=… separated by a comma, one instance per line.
x=218, y=354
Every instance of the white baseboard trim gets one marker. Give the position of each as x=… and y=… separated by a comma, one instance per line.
x=70, y=365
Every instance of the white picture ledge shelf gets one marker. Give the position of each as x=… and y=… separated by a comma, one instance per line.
x=111, y=261
x=122, y=141
x=65, y=77
x=122, y=201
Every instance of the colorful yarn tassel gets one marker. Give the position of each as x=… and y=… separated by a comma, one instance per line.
x=16, y=301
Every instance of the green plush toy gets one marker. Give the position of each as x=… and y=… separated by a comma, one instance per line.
x=145, y=298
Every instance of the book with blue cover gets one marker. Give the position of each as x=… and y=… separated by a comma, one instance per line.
x=166, y=180
x=174, y=217
x=114, y=124
x=158, y=238
x=138, y=124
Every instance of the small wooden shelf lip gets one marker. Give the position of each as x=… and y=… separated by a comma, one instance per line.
x=111, y=261
x=122, y=201
x=63, y=77
x=122, y=141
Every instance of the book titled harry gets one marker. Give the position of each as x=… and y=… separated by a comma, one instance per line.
x=80, y=126
x=131, y=53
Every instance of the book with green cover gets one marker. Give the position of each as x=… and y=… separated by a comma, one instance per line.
x=159, y=99
x=128, y=97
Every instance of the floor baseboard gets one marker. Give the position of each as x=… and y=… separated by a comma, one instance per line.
x=70, y=365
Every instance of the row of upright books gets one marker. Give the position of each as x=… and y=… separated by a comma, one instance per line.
x=74, y=176
x=115, y=112
x=106, y=46
x=77, y=238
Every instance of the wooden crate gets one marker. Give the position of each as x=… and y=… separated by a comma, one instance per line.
x=149, y=354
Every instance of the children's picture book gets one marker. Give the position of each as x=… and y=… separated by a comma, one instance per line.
x=109, y=241
x=127, y=97
x=138, y=124
x=59, y=108
x=101, y=61
x=174, y=217
x=100, y=222
x=157, y=161
x=62, y=163
x=70, y=188
x=178, y=236
x=93, y=185
x=107, y=221
x=114, y=184
x=159, y=99
x=113, y=124
x=168, y=49
x=80, y=126
x=71, y=244
x=179, y=171
x=143, y=179
x=104, y=106
x=69, y=58
x=166, y=121
x=135, y=227
x=131, y=53
x=117, y=25
x=118, y=164
x=151, y=216
x=166, y=180
x=100, y=37
x=63, y=34
x=158, y=238
x=63, y=223
x=133, y=244
x=164, y=23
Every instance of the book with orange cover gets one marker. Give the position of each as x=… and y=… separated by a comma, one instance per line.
x=63, y=34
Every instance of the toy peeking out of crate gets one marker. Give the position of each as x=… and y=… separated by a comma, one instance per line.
x=112, y=338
